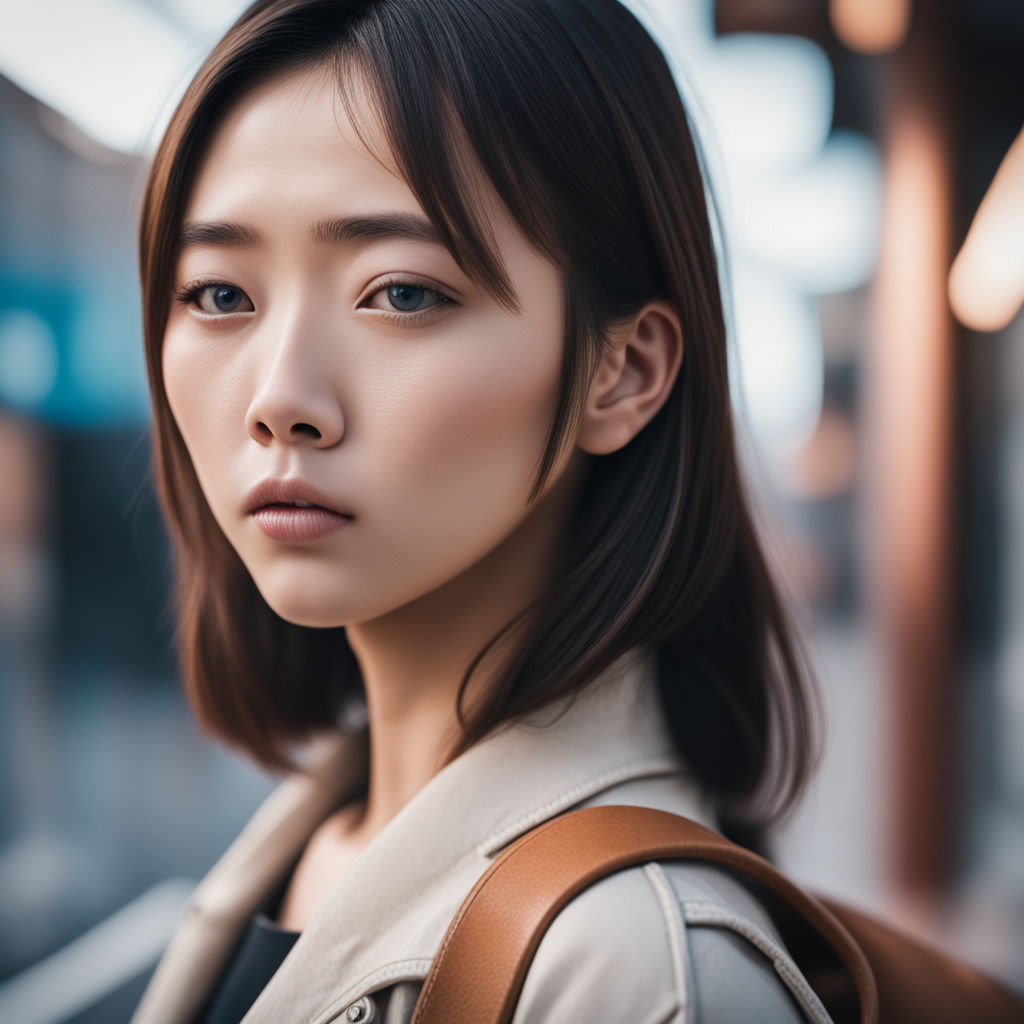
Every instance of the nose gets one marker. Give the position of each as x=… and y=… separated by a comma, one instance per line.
x=293, y=402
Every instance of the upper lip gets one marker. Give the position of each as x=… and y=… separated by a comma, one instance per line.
x=287, y=492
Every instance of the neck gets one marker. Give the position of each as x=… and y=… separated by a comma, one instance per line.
x=413, y=659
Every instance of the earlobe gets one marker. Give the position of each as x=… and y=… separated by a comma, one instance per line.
x=634, y=378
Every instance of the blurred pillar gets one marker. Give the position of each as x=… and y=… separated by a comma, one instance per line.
x=909, y=407
x=26, y=730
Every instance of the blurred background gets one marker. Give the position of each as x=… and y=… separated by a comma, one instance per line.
x=869, y=163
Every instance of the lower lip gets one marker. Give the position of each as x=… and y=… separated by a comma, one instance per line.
x=288, y=523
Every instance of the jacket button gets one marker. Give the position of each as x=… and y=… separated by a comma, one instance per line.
x=362, y=1011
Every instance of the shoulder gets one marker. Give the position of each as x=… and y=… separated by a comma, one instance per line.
x=665, y=942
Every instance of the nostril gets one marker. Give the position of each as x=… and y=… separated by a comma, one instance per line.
x=267, y=431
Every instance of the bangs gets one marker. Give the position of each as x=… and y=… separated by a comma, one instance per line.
x=433, y=154
x=463, y=127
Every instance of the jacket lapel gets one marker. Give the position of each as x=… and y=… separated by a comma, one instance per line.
x=216, y=914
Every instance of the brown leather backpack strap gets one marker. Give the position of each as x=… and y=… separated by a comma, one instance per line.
x=479, y=969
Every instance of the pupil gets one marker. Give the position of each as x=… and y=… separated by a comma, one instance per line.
x=226, y=298
x=405, y=296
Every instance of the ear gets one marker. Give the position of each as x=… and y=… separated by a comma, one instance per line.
x=634, y=378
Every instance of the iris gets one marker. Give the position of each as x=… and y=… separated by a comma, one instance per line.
x=227, y=298
x=406, y=296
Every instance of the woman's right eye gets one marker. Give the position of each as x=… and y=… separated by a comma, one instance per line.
x=217, y=299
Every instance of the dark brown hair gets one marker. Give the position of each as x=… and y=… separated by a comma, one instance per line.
x=571, y=110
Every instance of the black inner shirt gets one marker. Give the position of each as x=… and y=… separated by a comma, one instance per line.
x=258, y=955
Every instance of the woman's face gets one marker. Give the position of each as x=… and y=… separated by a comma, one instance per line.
x=321, y=338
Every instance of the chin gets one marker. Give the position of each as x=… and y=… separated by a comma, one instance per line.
x=303, y=615
x=303, y=604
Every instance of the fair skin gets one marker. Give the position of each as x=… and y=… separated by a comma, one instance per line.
x=376, y=370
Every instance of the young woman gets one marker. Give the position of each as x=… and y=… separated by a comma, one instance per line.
x=443, y=438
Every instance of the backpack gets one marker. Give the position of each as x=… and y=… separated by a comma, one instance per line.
x=863, y=971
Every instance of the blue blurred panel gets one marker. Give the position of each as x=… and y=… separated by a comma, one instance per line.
x=71, y=350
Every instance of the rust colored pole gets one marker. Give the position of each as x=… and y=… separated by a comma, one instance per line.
x=910, y=406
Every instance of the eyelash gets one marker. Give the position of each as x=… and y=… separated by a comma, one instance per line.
x=189, y=295
x=411, y=318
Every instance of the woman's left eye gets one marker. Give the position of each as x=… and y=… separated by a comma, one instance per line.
x=216, y=298
x=404, y=297
x=223, y=298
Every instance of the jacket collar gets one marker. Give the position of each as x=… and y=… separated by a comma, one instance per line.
x=385, y=917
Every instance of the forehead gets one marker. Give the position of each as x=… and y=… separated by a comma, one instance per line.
x=318, y=134
x=294, y=134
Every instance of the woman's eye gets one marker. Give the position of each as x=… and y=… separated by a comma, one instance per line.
x=408, y=298
x=222, y=298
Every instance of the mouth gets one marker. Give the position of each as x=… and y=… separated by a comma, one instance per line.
x=292, y=496
x=293, y=504
x=294, y=520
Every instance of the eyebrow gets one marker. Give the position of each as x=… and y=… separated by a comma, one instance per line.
x=334, y=229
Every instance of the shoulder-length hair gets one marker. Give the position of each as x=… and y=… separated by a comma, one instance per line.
x=571, y=110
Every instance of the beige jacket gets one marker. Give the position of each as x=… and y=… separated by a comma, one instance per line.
x=663, y=942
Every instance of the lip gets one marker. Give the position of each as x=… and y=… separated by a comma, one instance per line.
x=290, y=524
x=286, y=492
x=270, y=503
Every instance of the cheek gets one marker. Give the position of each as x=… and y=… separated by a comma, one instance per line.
x=464, y=441
x=202, y=400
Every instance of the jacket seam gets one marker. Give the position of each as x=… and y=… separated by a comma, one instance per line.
x=565, y=799
x=676, y=928
x=707, y=913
